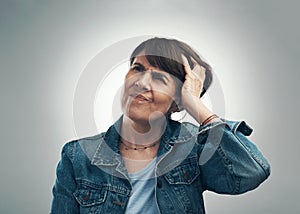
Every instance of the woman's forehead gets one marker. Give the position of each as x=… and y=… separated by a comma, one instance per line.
x=170, y=68
x=142, y=60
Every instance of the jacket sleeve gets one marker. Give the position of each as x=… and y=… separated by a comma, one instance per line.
x=63, y=200
x=230, y=163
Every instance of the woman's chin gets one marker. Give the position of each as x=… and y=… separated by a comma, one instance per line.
x=140, y=118
x=145, y=118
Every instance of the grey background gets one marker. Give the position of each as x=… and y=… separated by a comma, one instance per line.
x=45, y=45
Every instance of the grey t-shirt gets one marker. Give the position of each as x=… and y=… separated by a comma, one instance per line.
x=142, y=199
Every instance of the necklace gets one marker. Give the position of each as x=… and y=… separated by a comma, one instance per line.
x=138, y=148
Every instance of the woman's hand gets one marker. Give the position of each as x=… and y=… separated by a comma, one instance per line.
x=191, y=90
x=193, y=84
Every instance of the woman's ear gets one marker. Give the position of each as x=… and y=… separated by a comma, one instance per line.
x=176, y=106
x=173, y=108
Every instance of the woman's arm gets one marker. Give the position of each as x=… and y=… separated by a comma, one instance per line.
x=63, y=199
x=235, y=164
x=229, y=161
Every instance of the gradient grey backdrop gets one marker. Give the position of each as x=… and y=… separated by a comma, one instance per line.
x=45, y=45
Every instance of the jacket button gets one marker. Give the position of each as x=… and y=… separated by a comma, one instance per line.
x=159, y=183
x=185, y=175
x=86, y=196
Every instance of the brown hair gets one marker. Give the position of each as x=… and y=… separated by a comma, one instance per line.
x=166, y=54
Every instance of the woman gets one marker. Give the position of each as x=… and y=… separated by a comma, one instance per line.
x=148, y=163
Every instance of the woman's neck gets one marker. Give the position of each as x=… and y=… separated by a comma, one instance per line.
x=142, y=132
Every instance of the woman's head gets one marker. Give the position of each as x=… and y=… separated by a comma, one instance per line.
x=154, y=80
x=166, y=54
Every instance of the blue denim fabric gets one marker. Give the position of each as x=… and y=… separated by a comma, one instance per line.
x=92, y=178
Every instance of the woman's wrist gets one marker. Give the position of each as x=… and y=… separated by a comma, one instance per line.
x=209, y=119
x=198, y=110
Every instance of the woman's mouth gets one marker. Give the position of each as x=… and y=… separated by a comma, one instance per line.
x=141, y=98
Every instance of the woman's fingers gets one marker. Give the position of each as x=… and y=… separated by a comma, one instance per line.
x=186, y=65
x=198, y=71
x=194, y=61
x=193, y=83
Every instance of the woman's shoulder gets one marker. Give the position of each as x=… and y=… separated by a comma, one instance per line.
x=86, y=145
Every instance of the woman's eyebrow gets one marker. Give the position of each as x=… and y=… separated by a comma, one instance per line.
x=159, y=73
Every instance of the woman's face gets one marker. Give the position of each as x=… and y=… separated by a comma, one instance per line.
x=148, y=91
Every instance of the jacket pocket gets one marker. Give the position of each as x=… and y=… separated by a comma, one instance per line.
x=90, y=197
x=184, y=173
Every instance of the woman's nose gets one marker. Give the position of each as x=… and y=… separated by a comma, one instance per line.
x=144, y=81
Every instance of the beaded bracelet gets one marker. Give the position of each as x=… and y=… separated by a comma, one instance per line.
x=207, y=120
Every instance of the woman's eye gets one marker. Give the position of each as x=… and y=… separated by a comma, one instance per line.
x=159, y=78
x=138, y=68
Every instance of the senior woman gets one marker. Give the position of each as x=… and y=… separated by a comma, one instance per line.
x=148, y=163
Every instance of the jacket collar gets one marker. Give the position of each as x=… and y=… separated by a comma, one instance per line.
x=108, y=152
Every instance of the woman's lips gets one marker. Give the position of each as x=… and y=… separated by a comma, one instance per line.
x=141, y=98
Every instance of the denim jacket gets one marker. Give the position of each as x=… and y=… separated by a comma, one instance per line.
x=92, y=178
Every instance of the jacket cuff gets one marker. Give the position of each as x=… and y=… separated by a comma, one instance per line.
x=233, y=126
